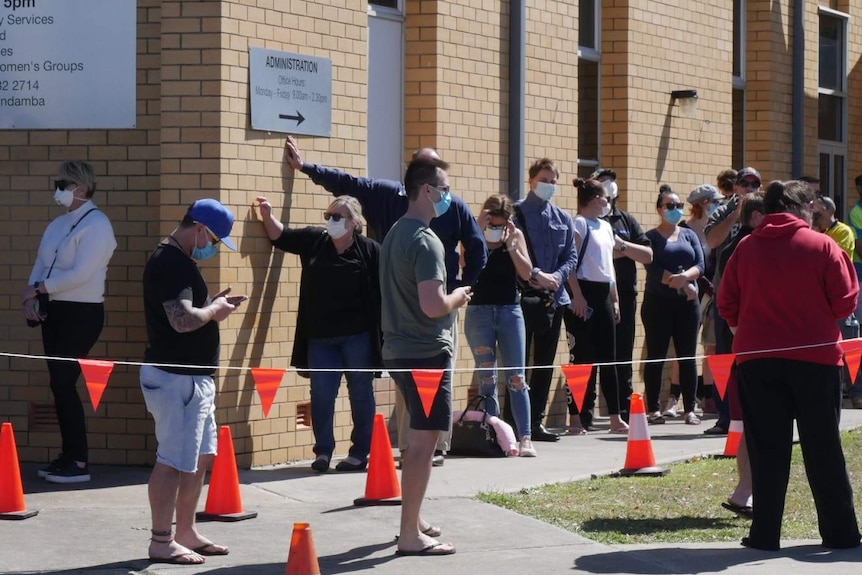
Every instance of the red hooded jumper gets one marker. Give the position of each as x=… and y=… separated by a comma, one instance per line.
x=786, y=285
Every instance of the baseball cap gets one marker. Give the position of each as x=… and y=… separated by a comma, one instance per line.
x=704, y=192
x=747, y=173
x=216, y=217
x=604, y=172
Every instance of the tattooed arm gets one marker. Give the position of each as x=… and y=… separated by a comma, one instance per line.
x=184, y=317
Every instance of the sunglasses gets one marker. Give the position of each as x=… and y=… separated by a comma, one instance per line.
x=213, y=236
x=672, y=205
x=754, y=184
x=335, y=217
x=64, y=184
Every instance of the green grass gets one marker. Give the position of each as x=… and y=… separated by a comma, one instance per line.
x=683, y=506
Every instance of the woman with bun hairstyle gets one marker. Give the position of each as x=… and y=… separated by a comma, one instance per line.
x=591, y=320
x=671, y=309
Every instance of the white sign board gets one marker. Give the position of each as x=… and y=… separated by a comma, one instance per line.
x=67, y=64
x=290, y=93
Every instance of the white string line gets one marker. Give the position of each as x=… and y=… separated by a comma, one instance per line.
x=406, y=370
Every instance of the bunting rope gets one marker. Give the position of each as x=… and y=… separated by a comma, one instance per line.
x=406, y=370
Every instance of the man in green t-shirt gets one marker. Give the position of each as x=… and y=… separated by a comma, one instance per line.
x=417, y=334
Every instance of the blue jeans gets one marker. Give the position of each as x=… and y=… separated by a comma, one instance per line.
x=338, y=353
x=488, y=327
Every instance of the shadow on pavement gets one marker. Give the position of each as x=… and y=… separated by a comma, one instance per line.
x=690, y=560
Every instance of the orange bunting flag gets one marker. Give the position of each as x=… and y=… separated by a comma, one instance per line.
x=852, y=354
x=267, y=382
x=96, y=374
x=720, y=365
x=427, y=384
x=578, y=376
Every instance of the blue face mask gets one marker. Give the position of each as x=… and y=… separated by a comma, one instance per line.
x=442, y=206
x=545, y=191
x=204, y=253
x=711, y=209
x=673, y=216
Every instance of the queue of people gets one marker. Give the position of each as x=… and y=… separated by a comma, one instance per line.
x=529, y=267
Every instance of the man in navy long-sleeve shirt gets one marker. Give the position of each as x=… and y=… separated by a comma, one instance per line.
x=383, y=202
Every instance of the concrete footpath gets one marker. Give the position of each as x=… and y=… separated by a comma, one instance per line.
x=103, y=527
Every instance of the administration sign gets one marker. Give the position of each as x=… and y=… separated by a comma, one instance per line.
x=67, y=64
x=290, y=93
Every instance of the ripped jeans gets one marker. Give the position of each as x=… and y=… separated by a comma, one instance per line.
x=493, y=328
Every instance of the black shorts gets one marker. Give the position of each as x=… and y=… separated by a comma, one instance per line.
x=441, y=410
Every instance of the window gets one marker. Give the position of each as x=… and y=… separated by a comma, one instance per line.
x=385, y=3
x=739, y=51
x=589, y=86
x=832, y=83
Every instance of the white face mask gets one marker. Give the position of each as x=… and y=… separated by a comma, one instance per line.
x=545, y=190
x=64, y=197
x=336, y=229
x=611, y=187
x=493, y=236
x=605, y=210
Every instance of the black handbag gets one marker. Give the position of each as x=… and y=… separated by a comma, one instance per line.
x=475, y=438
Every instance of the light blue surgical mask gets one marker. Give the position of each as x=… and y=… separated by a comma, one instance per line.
x=711, y=209
x=545, y=191
x=205, y=252
x=673, y=216
x=442, y=206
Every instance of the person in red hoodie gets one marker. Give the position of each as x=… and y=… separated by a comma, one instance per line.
x=782, y=292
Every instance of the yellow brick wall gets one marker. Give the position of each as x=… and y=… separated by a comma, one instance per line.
x=193, y=139
x=127, y=165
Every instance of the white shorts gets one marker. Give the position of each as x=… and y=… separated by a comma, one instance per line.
x=183, y=407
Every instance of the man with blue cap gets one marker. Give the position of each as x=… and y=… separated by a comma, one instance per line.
x=177, y=379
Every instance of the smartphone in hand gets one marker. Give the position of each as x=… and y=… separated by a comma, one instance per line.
x=588, y=313
x=236, y=299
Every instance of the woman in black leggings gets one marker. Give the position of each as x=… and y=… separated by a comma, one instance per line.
x=671, y=308
x=595, y=311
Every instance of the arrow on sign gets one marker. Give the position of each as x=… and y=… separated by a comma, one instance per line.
x=299, y=117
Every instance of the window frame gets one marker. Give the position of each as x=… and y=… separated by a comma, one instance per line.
x=594, y=54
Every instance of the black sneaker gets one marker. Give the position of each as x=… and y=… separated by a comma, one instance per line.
x=56, y=465
x=70, y=473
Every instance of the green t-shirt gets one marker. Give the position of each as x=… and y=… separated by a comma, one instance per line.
x=411, y=254
x=856, y=224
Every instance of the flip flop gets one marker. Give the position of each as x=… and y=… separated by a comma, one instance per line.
x=620, y=431
x=433, y=549
x=744, y=511
x=574, y=430
x=211, y=549
x=182, y=559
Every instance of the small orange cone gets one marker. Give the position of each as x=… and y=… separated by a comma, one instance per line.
x=640, y=459
x=224, y=502
x=382, y=486
x=12, y=504
x=302, y=559
x=734, y=436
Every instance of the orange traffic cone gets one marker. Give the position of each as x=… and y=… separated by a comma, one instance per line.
x=734, y=436
x=640, y=459
x=382, y=486
x=302, y=559
x=11, y=489
x=224, y=502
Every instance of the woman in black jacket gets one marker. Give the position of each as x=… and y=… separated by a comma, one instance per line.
x=338, y=322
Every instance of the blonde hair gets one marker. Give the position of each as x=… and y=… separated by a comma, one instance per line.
x=353, y=207
x=79, y=172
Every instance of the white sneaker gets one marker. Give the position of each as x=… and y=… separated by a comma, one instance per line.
x=526, y=449
x=670, y=408
x=691, y=418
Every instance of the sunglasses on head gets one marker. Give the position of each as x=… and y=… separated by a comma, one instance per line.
x=749, y=184
x=335, y=217
x=64, y=184
x=673, y=205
